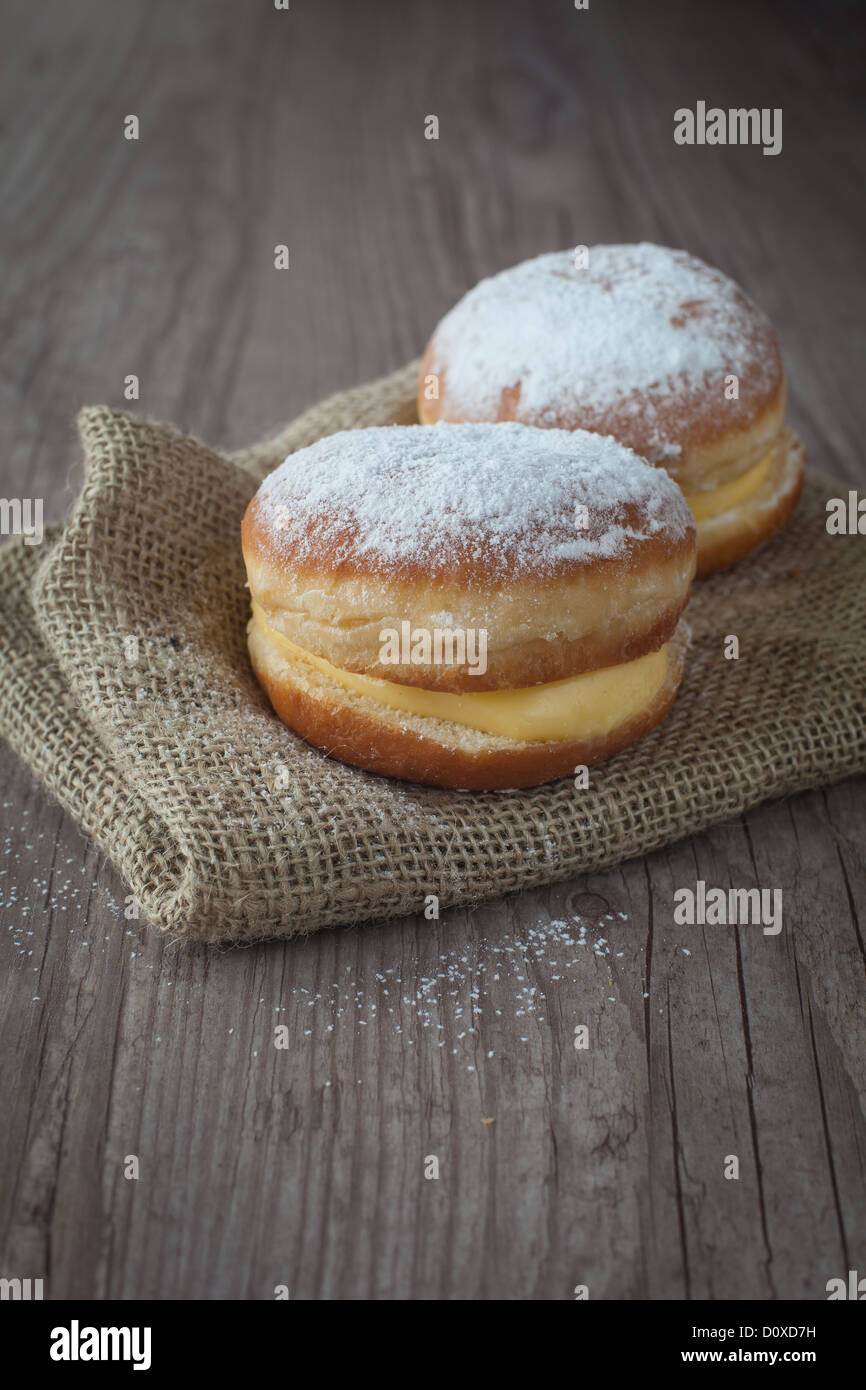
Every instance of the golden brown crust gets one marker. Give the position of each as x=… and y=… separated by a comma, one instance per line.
x=687, y=421
x=561, y=552
x=703, y=439
x=718, y=439
x=357, y=730
x=482, y=566
x=536, y=630
x=729, y=537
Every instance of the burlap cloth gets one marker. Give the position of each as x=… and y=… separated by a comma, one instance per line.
x=227, y=827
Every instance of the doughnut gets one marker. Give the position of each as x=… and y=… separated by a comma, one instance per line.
x=644, y=343
x=481, y=606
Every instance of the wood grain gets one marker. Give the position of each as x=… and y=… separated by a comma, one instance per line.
x=305, y=1166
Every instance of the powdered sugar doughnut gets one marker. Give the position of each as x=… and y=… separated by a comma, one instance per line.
x=644, y=343
x=570, y=554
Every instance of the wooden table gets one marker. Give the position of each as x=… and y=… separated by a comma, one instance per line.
x=409, y=1040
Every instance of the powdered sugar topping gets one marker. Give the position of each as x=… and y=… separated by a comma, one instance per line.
x=515, y=498
x=640, y=332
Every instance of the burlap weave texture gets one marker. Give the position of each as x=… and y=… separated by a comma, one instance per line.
x=127, y=690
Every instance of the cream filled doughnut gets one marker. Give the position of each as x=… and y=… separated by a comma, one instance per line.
x=477, y=606
x=644, y=343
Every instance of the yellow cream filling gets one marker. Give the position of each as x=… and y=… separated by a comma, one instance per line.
x=705, y=505
x=585, y=706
